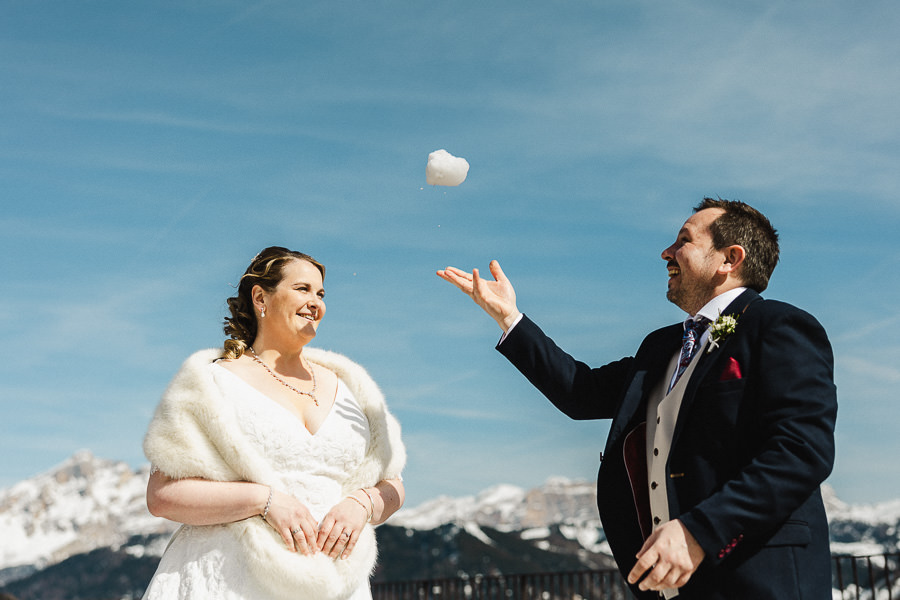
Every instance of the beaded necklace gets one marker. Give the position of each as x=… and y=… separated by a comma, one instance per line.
x=311, y=394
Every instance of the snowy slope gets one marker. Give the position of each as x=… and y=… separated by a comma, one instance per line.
x=83, y=504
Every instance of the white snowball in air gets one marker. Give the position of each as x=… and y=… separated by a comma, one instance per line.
x=445, y=169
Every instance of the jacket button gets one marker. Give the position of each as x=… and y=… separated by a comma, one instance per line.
x=656, y=452
x=653, y=485
x=656, y=520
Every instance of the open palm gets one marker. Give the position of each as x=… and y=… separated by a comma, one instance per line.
x=497, y=297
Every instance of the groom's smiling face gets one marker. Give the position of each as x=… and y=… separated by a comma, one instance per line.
x=692, y=262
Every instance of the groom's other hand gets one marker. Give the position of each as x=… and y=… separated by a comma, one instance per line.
x=668, y=558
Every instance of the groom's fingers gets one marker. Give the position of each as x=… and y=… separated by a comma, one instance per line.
x=496, y=271
x=477, y=286
x=480, y=292
x=646, y=561
x=459, y=272
x=459, y=278
x=454, y=273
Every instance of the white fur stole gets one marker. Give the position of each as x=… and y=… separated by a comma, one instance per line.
x=194, y=433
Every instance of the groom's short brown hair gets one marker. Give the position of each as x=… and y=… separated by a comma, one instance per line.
x=745, y=226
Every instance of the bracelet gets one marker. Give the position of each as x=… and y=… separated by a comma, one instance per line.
x=358, y=501
x=265, y=512
x=371, y=502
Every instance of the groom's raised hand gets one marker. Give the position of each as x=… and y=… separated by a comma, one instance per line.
x=497, y=297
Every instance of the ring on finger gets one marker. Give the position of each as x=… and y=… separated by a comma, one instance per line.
x=295, y=530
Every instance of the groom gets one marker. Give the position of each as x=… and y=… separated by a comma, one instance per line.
x=722, y=426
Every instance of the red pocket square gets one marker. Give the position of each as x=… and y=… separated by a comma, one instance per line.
x=732, y=370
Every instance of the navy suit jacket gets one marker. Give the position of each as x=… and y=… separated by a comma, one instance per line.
x=753, y=441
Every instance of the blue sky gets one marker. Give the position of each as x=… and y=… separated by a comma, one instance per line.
x=149, y=150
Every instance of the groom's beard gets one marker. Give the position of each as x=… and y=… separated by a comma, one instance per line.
x=691, y=296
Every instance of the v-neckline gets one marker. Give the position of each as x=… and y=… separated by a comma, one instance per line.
x=286, y=409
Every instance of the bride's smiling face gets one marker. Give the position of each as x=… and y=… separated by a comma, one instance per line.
x=297, y=304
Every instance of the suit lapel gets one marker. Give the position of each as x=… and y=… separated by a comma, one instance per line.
x=651, y=362
x=708, y=358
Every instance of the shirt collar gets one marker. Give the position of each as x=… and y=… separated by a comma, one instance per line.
x=715, y=307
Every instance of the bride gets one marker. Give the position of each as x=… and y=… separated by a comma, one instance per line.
x=277, y=458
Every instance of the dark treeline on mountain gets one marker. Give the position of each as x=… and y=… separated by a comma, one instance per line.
x=404, y=555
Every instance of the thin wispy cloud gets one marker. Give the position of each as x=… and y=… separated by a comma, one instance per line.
x=873, y=369
x=148, y=153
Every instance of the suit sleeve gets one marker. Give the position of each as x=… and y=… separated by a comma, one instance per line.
x=792, y=399
x=579, y=391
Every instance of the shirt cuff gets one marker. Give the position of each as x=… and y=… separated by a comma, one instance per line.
x=511, y=327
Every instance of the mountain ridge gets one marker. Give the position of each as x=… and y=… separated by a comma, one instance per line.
x=88, y=504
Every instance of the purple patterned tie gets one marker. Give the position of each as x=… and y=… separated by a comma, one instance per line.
x=693, y=331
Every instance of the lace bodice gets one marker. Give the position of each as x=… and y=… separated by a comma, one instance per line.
x=205, y=562
x=312, y=466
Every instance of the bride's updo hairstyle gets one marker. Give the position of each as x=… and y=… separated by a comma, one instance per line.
x=265, y=270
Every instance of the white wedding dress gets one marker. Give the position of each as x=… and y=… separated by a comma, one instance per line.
x=206, y=562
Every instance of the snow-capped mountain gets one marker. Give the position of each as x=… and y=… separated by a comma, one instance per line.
x=862, y=529
x=83, y=504
x=570, y=505
x=87, y=503
x=858, y=530
x=507, y=507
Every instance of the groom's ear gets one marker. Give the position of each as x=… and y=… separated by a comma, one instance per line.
x=734, y=256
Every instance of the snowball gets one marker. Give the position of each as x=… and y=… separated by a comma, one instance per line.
x=445, y=169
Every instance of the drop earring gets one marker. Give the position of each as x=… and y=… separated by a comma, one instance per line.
x=262, y=313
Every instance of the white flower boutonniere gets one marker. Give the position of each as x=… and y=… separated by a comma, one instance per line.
x=720, y=329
